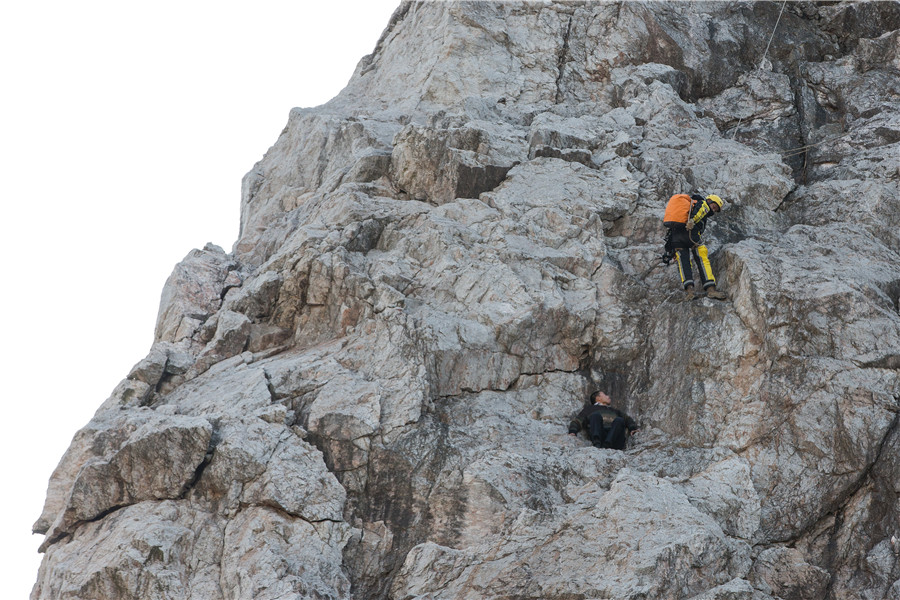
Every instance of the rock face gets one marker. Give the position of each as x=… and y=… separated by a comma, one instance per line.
x=368, y=398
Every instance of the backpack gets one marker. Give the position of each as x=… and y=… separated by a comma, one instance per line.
x=679, y=208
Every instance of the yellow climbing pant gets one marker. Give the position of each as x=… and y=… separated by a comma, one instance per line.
x=701, y=258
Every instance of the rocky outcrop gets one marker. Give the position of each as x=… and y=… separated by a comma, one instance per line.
x=368, y=397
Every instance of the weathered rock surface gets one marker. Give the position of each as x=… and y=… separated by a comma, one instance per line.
x=368, y=397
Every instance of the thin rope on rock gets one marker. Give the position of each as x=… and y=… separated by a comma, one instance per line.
x=763, y=59
x=771, y=37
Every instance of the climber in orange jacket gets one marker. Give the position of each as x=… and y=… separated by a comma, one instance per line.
x=685, y=218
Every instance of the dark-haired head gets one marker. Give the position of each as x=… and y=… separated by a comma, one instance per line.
x=599, y=397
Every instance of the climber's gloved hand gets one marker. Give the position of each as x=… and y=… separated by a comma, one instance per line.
x=689, y=225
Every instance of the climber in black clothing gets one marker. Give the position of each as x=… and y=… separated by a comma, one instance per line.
x=607, y=427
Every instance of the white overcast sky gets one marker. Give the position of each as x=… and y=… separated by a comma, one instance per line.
x=125, y=130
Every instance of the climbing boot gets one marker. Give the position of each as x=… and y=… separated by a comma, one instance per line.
x=712, y=292
x=689, y=293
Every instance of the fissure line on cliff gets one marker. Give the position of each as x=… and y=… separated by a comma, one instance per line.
x=273, y=393
x=831, y=552
x=561, y=61
x=51, y=541
x=464, y=391
x=538, y=373
x=797, y=85
x=281, y=511
x=198, y=472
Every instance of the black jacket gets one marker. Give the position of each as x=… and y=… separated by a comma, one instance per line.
x=609, y=414
x=700, y=213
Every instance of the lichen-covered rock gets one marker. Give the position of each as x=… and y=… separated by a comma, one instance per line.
x=369, y=397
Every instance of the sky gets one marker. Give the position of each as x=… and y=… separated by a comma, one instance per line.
x=125, y=130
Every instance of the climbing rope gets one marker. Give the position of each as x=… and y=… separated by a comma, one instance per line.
x=803, y=149
x=762, y=60
x=771, y=37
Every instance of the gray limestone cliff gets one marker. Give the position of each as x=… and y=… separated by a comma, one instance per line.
x=368, y=397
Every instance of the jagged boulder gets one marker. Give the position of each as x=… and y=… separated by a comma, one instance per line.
x=462, y=162
x=116, y=463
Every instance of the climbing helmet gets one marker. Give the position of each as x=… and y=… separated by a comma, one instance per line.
x=716, y=199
